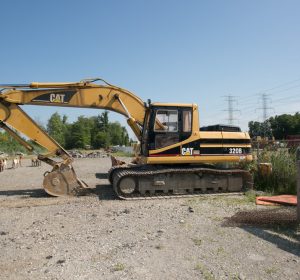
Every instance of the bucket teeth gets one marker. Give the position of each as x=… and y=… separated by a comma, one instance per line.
x=63, y=181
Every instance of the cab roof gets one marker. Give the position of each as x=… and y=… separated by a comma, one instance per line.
x=162, y=104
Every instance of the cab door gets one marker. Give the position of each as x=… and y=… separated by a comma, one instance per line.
x=164, y=128
x=169, y=126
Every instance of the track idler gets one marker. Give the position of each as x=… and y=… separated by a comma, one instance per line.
x=62, y=181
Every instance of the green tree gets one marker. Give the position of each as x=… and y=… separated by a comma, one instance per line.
x=262, y=129
x=118, y=134
x=96, y=132
x=103, y=122
x=115, y=132
x=279, y=126
x=254, y=129
x=101, y=140
x=56, y=129
x=80, y=133
x=285, y=124
x=9, y=145
x=125, y=137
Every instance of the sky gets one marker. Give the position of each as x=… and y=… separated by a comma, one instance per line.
x=189, y=51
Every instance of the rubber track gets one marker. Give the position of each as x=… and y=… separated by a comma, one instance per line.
x=119, y=172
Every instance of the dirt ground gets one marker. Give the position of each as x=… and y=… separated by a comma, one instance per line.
x=101, y=237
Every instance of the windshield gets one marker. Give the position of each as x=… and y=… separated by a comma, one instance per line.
x=166, y=121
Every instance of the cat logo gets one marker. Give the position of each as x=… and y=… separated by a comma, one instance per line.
x=62, y=96
x=187, y=151
x=57, y=98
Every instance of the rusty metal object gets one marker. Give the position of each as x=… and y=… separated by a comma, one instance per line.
x=277, y=200
x=116, y=162
x=62, y=181
x=265, y=169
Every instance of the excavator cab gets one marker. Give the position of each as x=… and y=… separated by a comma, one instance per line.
x=166, y=125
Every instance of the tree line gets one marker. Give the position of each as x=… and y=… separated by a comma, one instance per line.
x=279, y=126
x=98, y=132
x=87, y=132
x=11, y=146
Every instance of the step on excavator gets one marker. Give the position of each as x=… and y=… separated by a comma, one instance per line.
x=176, y=158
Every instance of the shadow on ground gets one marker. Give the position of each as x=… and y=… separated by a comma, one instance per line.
x=105, y=192
x=275, y=225
x=27, y=192
x=101, y=175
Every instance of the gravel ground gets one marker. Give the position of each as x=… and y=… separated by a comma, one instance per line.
x=100, y=237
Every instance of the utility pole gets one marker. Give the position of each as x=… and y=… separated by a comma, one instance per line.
x=230, y=99
x=265, y=108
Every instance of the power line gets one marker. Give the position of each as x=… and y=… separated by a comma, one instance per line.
x=286, y=89
x=249, y=107
x=230, y=103
x=282, y=85
x=245, y=98
x=290, y=98
x=265, y=107
x=287, y=112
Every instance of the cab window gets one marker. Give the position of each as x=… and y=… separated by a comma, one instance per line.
x=166, y=121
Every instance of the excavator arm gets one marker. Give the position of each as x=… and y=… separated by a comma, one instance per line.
x=84, y=94
x=62, y=180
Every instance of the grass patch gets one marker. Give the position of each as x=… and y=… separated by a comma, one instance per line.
x=250, y=196
x=220, y=250
x=234, y=277
x=271, y=270
x=118, y=267
x=207, y=275
x=283, y=178
x=122, y=154
x=238, y=200
x=197, y=241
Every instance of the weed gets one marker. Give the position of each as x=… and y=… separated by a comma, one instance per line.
x=283, y=177
x=205, y=272
x=250, y=196
x=122, y=154
x=211, y=239
x=234, y=277
x=236, y=200
x=220, y=250
x=217, y=219
x=271, y=270
x=197, y=241
x=199, y=267
x=118, y=267
x=220, y=232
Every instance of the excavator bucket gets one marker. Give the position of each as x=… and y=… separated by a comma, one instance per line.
x=116, y=162
x=62, y=181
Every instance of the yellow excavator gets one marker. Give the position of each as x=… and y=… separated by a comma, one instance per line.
x=176, y=157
